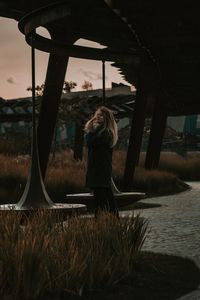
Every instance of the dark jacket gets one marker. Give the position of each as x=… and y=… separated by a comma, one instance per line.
x=99, y=161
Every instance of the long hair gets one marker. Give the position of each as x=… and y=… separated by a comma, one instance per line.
x=109, y=124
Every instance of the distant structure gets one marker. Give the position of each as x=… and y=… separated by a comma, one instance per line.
x=75, y=109
x=185, y=124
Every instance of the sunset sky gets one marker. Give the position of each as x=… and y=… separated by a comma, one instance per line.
x=15, y=65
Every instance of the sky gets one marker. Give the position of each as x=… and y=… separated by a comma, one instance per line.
x=15, y=64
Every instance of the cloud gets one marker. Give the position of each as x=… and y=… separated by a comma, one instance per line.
x=91, y=75
x=11, y=80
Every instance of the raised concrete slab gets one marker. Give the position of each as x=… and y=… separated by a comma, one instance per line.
x=123, y=199
x=57, y=207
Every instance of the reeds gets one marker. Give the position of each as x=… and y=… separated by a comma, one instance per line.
x=160, y=181
x=13, y=174
x=66, y=175
x=185, y=168
x=78, y=256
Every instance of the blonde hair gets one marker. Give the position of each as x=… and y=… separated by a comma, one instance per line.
x=109, y=124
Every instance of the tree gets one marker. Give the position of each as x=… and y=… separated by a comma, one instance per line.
x=87, y=85
x=68, y=86
x=39, y=89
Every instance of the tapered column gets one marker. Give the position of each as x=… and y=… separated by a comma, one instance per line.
x=34, y=195
x=136, y=134
x=158, y=126
x=50, y=103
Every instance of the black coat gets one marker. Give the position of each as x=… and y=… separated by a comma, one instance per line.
x=99, y=161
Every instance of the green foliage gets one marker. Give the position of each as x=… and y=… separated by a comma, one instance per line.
x=77, y=256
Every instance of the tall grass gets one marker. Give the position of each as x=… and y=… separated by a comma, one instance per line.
x=13, y=174
x=159, y=181
x=66, y=175
x=14, y=143
x=185, y=168
x=80, y=256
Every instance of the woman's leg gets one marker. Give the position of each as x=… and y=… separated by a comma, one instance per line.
x=104, y=200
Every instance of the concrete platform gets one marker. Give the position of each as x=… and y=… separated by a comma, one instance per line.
x=63, y=208
x=123, y=199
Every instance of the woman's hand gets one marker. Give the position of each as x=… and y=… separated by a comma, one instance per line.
x=96, y=124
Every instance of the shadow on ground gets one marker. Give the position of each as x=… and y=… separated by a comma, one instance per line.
x=140, y=205
x=156, y=277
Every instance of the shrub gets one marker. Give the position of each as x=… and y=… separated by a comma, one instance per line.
x=79, y=255
x=66, y=175
x=158, y=182
x=184, y=168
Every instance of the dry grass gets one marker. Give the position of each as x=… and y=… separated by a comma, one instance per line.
x=161, y=181
x=158, y=182
x=13, y=173
x=66, y=175
x=95, y=259
x=42, y=257
x=185, y=168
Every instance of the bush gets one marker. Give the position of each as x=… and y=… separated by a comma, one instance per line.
x=66, y=175
x=158, y=182
x=77, y=256
x=184, y=168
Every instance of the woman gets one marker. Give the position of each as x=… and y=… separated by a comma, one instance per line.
x=101, y=136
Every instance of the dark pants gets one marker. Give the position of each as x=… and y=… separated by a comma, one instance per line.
x=104, y=200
